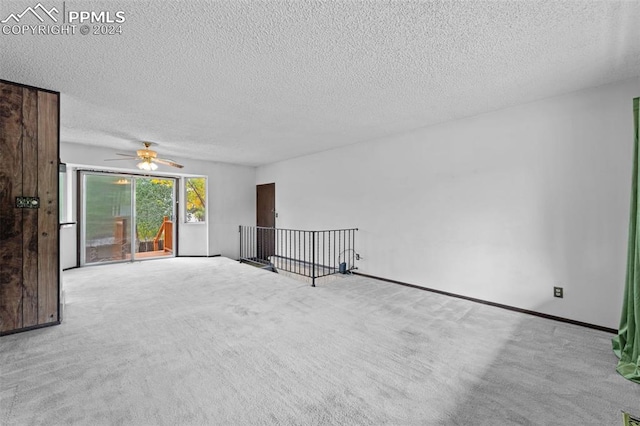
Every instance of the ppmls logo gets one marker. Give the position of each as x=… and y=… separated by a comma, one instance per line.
x=102, y=22
x=33, y=11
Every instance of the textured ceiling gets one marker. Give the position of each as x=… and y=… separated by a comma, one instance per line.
x=256, y=82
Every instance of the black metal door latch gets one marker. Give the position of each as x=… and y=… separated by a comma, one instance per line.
x=27, y=202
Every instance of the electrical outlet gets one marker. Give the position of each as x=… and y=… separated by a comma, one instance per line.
x=558, y=292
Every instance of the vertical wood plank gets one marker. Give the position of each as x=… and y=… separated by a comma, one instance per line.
x=11, y=222
x=48, y=213
x=30, y=216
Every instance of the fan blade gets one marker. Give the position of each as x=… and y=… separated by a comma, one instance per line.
x=167, y=162
x=127, y=155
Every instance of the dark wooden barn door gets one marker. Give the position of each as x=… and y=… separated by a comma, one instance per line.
x=29, y=145
x=266, y=218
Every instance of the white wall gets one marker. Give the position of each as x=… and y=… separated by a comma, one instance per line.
x=234, y=190
x=231, y=202
x=68, y=246
x=500, y=207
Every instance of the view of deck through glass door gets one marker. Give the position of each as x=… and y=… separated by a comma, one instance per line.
x=126, y=217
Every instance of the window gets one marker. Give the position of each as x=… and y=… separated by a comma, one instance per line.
x=195, y=190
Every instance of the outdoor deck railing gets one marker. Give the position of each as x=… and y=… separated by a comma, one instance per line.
x=312, y=254
x=165, y=233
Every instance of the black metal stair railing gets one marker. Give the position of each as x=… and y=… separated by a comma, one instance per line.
x=312, y=254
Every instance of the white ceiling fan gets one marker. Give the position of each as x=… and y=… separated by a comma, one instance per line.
x=148, y=158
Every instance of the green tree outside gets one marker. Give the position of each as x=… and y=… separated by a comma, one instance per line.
x=154, y=201
x=195, y=189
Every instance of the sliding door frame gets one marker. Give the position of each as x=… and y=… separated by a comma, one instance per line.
x=81, y=213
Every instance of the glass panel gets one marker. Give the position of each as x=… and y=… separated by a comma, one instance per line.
x=196, y=194
x=154, y=217
x=107, y=218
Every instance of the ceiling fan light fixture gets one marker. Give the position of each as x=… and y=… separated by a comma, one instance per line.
x=147, y=159
x=147, y=165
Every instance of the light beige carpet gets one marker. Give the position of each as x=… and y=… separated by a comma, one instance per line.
x=212, y=342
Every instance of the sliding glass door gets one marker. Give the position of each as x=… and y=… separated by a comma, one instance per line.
x=154, y=217
x=106, y=218
x=126, y=217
